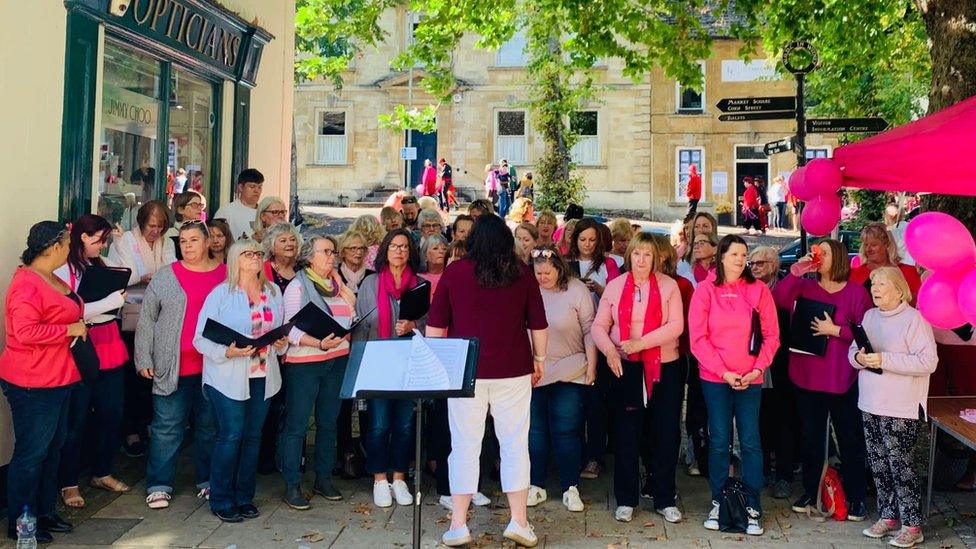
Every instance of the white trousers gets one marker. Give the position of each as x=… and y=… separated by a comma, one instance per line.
x=508, y=400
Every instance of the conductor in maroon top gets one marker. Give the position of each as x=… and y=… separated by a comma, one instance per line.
x=493, y=296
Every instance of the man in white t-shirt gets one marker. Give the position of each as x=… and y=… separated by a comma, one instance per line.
x=240, y=214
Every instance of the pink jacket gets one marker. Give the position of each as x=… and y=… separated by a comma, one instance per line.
x=719, y=323
x=606, y=330
x=908, y=358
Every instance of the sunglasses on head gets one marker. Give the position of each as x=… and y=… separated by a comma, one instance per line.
x=541, y=252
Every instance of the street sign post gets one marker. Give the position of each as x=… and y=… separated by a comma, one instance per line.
x=408, y=153
x=776, y=147
x=846, y=125
x=757, y=104
x=746, y=116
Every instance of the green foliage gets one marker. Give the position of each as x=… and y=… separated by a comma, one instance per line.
x=423, y=120
x=871, y=205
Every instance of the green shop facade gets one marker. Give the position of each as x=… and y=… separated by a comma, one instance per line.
x=157, y=99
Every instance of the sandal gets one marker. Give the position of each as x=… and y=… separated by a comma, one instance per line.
x=110, y=484
x=73, y=501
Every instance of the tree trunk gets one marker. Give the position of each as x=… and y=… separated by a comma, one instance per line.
x=951, y=27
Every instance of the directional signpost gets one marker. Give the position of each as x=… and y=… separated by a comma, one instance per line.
x=760, y=115
x=781, y=146
x=754, y=104
x=846, y=125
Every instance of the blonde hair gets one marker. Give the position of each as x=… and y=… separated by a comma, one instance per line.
x=518, y=210
x=547, y=214
x=234, y=259
x=568, y=229
x=428, y=203
x=893, y=276
x=368, y=226
x=348, y=236
x=665, y=255
x=642, y=240
x=621, y=227
x=880, y=231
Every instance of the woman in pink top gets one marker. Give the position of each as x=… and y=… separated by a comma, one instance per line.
x=720, y=327
x=637, y=327
x=892, y=400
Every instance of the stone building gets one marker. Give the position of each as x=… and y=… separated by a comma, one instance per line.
x=637, y=140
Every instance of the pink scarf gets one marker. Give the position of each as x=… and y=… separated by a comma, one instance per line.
x=387, y=290
x=652, y=321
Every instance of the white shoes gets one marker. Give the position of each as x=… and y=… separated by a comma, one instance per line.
x=523, y=535
x=478, y=500
x=457, y=536
x=753, y=528
x=536, y=496
x=381, y=494
x=670, y=514
x=572, y=501
x=711, y=523
x=624, y=513
x=402, y=493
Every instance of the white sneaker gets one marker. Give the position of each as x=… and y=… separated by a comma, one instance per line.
x=480, y=500
x=711, y=523
x=753, y=528
x=670, y=514
x=536, y=496
x=456, y=536
x=572, y=501
x=204, y=493
x=402, y=493
x=158, y=500
x=624, y=513
x=381, y=494
x=446, y=502
x=523, y=535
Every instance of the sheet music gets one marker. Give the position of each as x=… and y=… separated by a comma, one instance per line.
x=385, y=365
x=425, y=371
x=452, y=352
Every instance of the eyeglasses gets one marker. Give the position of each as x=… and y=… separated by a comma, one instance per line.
x=759, y=263
x=360, y=249
x=541, y=252
x=251, y=254
x=198, y=205
x=326, y=252
x=400, y=247
x=430, y=226
x=701, y=243
x=276, y=212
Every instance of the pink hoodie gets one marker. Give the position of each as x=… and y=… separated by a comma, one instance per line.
x=719, y=323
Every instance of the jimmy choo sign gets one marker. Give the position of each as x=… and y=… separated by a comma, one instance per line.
x=188, y=26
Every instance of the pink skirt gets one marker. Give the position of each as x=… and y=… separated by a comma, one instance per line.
x=108, y=345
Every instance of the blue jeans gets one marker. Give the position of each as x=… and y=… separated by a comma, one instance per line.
x=235, y=452
x=171, y=414
x=105, y=397
x=389, y=437
x=725, y=403
x=316, y=384
x=555, y=424
x=40, y=419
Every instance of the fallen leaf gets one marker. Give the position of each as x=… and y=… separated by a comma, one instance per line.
x=734, y=538
x=362, y=509
x=443, y=520
x=787, y=526
x=945, y=545
x=649, y=524
x=313, y=536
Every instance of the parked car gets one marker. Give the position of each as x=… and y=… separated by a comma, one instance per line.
x=790, y=253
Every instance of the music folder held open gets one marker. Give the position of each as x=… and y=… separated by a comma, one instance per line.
x=417, y=367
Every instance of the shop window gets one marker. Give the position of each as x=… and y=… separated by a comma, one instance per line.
x=331, y=139
x=586, y=124
x=688, y=100
x=191, y=126
x=512, y=53
x=686, y=157
x=510, y=136
x=127, y=139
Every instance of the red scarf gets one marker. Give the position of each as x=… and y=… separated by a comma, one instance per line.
x=613, y=270
x=386, y=290
x=652, y=321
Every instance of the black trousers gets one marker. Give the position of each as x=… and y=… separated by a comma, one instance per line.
x=692, y=208
x=814, y=407
x=661, y=440
x=273, y=422
x=138, y=410
x=778, y=421
x=596, y=414
x=696, y=416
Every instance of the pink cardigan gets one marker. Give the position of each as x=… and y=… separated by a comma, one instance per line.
x=908, y=358
x=606, y=331
x=719, y=323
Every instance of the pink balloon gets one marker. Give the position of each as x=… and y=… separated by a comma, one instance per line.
x=940, y=242
x=823, y=176
x=966, y=296
x=799, y=186
x=821, y=215
x=937, y=299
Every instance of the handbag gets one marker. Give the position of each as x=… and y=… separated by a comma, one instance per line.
x=755, y=334
x=86, y=359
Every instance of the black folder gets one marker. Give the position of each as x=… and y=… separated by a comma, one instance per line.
x=222, y=335
x=802, y=339
x=355, y=363
x=317, y=323
x=628, y=389
x=100, y=282
x=861, y=338
x=415, y=302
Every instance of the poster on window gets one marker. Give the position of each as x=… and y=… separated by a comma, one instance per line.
x=720, y=183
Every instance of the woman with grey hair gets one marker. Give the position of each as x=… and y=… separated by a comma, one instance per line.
x=270, y=211
x=281, y=243
x=430, y=222
x=313, y=370
x=433, y=257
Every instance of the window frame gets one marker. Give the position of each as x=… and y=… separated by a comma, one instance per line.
x=826, y=148
x=525, y=138
x=679, y=195
x=574, y=151
x=319, y=112
x=677, y=95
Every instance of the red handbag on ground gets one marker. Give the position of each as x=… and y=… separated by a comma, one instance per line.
x=833, y=502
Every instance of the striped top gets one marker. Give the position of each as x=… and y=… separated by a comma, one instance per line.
x=261, y=323
x=341, y=312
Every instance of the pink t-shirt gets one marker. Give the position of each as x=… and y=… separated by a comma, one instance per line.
x=197, y=287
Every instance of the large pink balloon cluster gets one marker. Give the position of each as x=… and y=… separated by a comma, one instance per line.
x=942, y=244
x=817, y=184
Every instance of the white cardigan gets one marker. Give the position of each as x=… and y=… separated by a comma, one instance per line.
x=229, y=306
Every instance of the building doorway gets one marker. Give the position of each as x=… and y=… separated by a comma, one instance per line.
x=426, y=144
x=750, y=161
